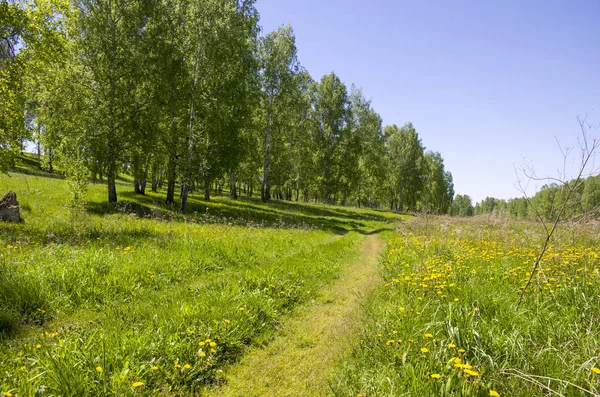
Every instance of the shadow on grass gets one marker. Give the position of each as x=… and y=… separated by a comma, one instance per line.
x=244, y=211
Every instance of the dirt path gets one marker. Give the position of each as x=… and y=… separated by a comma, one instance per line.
x=299, y=361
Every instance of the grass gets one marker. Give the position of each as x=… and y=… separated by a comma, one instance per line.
x=300, y=360
x=447, y=321
x=128, y=300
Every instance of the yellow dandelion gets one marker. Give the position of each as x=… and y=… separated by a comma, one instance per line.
x=213, y=344
x=242, y=309
x=456, y=299
x=137, y=384
x=461, y=350
x=202, y=344
x=187, y=366
x=428, y=335
x=202, y=354
x=436, y=376
x=452, y=345
x=494, y=393
x=389, y=342
x=38, y=346
x=7, y=394
x=596, y=370
x=213, y=351
x=471, y=373
x=98, y=369
x=424, y=350
x=154, y=368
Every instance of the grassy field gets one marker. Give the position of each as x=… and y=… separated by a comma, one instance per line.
x=135, y=299
x=118, y=302
x=448, y=319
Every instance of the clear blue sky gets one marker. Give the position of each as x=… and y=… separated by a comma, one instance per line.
x=486, y=83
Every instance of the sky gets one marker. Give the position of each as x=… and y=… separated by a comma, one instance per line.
x=491, y=85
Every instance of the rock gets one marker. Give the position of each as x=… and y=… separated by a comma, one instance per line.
x=9, y=208
x=156, y=213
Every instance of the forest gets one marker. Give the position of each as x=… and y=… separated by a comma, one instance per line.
x=194, y=96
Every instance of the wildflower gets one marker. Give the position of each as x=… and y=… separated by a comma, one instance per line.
x=596, y=370
x=99, y=368
x=424, y=350
x=202, y=354
x=213, y=344
x=38, y=346
x=461, y=350
x=456, y=299
x=202, y=343
x=242, y=309
x=7, y=394
x=494, y=393
x=227, y=322
x=154, y=368
x=428, y=335
x=452, y=345
x=137, y=384
x=401, y=309
x=213, y=351
x=471, y=373
x=187, y=366
x=436, y=376
x=389, y=342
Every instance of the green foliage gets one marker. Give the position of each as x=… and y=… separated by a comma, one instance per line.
x=187, y=92
x=462, y=206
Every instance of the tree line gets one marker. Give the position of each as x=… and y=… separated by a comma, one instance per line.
x=582, y=199
x=189, y=95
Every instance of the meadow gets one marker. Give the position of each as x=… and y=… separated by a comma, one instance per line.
x=449, y=319
x=126, y=300
x=136, y=299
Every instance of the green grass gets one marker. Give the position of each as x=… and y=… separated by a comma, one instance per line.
x=90, y=305
x=450, y=306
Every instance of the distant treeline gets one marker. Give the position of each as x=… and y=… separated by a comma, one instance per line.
x=191, y=95
x=584, y=200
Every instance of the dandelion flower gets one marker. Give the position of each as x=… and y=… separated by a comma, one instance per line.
x=154, y=368
x=213, y=344
x=596, y=370
x=38, y=346
x=137, y=384
x=461, y=350
x=471, y=373
x=202, y=344
x=452, y=345
x=7, y=394
x=242, y=309
x=187, y=366
x=436, y=376
x=428, y=335
x=456, y=299
x=99, y=368
x=202, y=354
x=494, y=393
x=424, y=350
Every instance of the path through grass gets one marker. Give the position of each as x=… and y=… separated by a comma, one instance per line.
x=300, y=360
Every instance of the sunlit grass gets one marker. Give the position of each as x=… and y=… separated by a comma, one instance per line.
x=127, y=300
x=447, y=321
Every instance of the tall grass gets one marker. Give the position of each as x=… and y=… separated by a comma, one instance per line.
x=447, y=322
x=130, y=301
